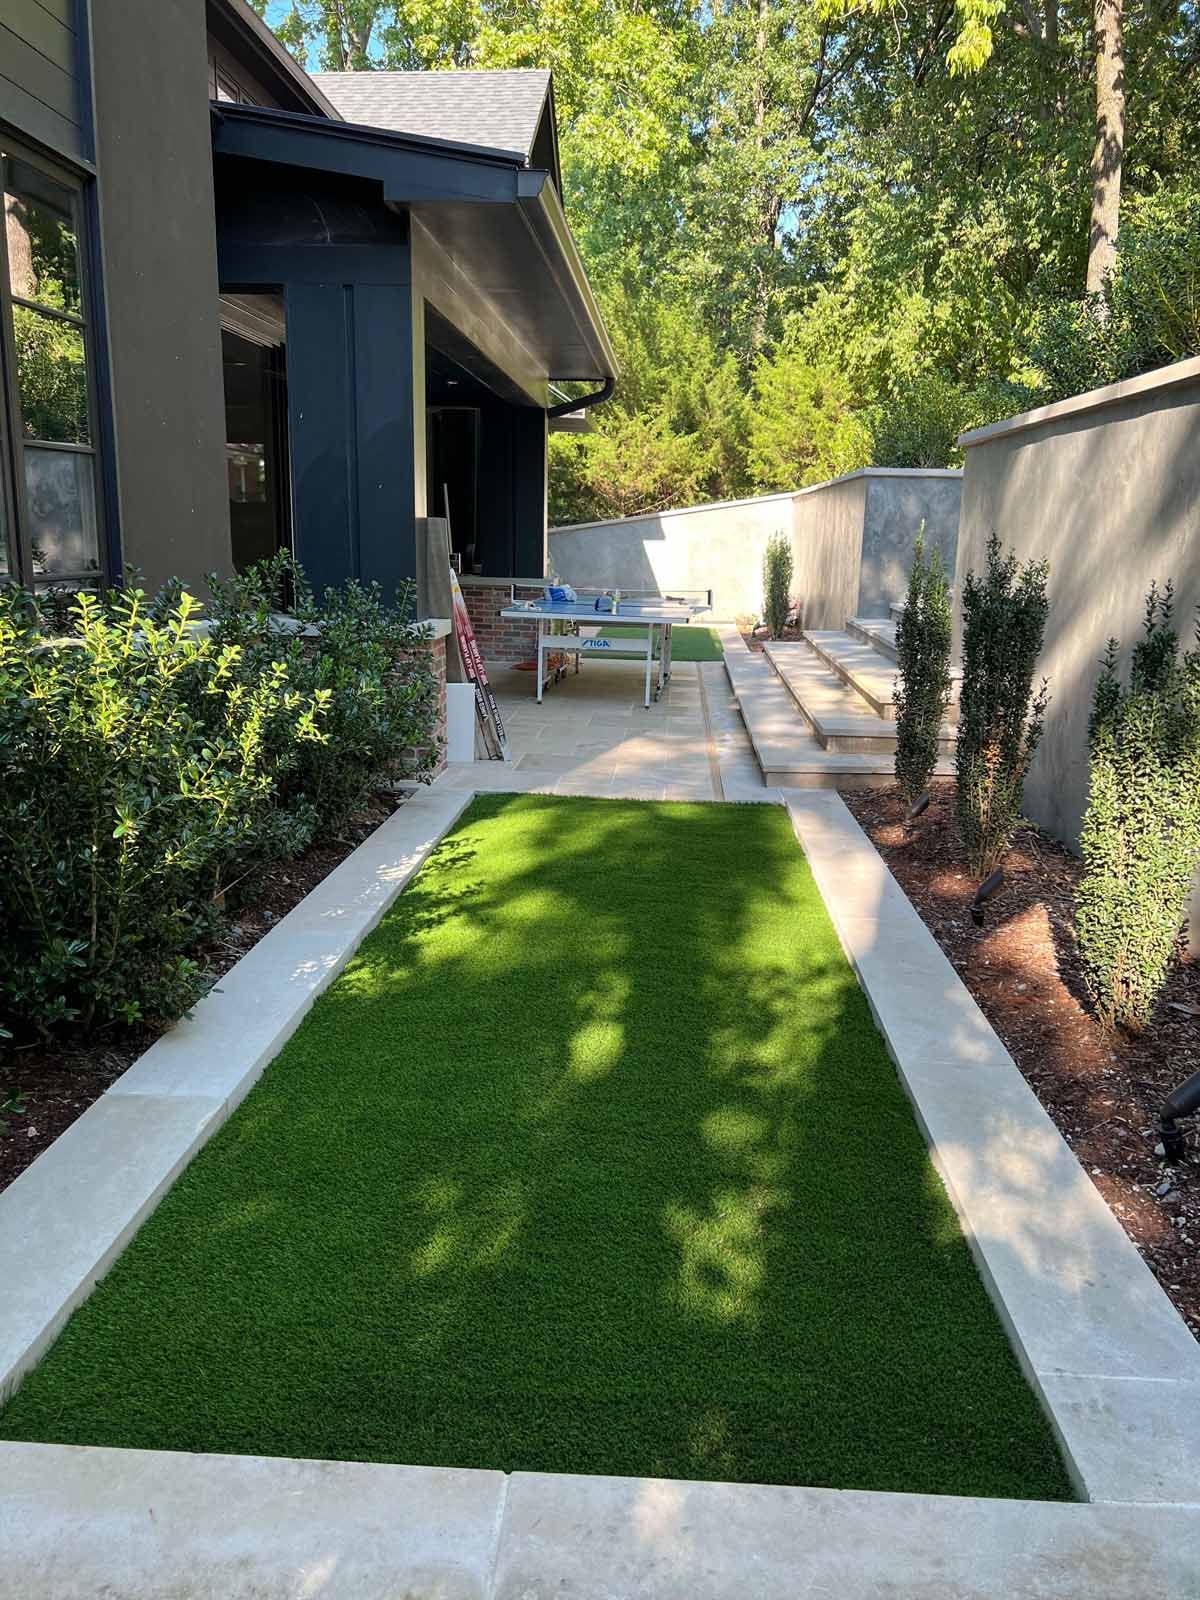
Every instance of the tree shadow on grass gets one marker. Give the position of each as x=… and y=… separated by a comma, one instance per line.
x=593, y=1162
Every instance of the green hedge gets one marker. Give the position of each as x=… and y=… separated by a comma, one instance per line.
x=148, y=759
x=1141, y=834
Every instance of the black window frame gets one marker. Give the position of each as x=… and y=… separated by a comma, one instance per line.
x=13, y=444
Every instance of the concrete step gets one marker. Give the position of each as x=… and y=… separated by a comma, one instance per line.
x=878, y=632
x=872, y=675
x=840, y=716
x=788, y=752
x=860, y=667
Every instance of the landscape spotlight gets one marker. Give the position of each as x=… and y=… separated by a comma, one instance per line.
x=1181, y=1102
x=984, y=893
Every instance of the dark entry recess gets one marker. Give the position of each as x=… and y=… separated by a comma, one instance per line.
x=256, y=451
x=453, y=439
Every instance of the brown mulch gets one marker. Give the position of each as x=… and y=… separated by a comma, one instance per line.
x=754, y=638
x=53, y=1084
x=1103, y=1090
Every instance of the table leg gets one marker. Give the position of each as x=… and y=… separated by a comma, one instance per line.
x=541, y=658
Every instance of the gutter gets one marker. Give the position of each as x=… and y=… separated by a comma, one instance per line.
x=566, y=407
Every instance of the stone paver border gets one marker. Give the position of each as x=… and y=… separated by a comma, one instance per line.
x=153, y=1525
x=1115, y=1366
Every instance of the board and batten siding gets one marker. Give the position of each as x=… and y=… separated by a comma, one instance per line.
x=40, y=73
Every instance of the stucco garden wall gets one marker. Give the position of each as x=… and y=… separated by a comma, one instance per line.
x=851, y=540
x=1106, y=486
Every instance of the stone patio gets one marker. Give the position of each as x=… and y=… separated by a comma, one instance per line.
x=592, y=734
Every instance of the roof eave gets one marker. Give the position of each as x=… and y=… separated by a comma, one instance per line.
x=543, y=212
x=264, y=43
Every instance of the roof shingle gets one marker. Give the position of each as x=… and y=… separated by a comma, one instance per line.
x=498, y=110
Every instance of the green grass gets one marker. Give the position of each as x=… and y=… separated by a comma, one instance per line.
x=592, y=1161
x=687, y=643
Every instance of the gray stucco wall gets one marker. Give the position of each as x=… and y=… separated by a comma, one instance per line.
x=897, y=505
x=718, y=547
x=159, y=242
x=1107, y=488
x=851, y=542
x=827, y=535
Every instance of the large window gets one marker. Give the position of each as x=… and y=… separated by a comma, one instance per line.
x=49, y=524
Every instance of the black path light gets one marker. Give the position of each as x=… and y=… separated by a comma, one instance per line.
x=984, y=893
x=1181, y=1102
x=917, y=807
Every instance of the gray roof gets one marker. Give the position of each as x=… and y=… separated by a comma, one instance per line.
x=498, y=110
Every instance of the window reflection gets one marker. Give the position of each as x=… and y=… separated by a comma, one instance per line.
x=49, y=424
x=43, y=251
x=51, y=377
x=62, y=512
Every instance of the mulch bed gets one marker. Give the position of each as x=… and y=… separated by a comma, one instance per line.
x=54, y=1084
x=755, y=638
x=1103, y=1090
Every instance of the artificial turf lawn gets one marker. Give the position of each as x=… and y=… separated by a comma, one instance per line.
x=592, y=1161
x=688, y=643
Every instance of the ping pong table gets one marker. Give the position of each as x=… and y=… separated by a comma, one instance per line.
x=656, y=615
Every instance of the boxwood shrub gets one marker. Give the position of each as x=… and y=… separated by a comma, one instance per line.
x=149, y=757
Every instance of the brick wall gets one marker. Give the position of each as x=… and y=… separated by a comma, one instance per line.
x=500, y=641
x=435, y=651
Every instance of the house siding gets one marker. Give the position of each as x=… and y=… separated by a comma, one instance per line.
x=40, y=93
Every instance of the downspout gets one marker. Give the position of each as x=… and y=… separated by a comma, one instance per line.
x=565, y=407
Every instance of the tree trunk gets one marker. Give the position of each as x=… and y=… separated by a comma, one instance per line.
x=1110, y=142
x=762, y=287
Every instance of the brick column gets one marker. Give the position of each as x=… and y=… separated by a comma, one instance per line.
x=501, y=642
x=433, y=653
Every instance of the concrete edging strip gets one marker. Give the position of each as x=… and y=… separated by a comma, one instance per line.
x=162, y=1525
x=1111, y=1359
x=65, y=1220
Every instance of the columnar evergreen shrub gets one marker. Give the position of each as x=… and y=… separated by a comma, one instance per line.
x=777, y=583
x=1141, y=832
x=1000, y=716
x=133, y=772
x=922, y=689
x=360, y=657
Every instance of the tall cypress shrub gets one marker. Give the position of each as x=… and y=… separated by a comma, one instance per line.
x=777, y=583
x=1141, y=832
x=1000, y=717
x=922, y=690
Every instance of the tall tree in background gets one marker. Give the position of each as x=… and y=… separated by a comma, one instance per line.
x=973, y=48
x=1109, y=154
x=821, y=232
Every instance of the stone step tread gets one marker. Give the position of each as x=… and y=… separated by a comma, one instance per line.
x=834, y=710
x=785, y=747
x=879, y=632
x=866, y=665
x=867, y=672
